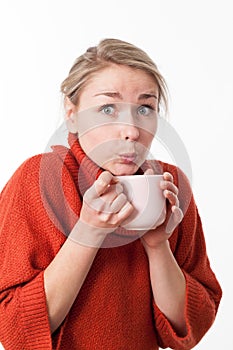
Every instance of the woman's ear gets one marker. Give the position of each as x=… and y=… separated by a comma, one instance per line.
x=71, y=115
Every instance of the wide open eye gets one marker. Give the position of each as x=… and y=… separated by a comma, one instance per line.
x=108, y=109
x=145, y=110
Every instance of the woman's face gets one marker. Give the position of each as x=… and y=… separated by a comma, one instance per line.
x=116, y=118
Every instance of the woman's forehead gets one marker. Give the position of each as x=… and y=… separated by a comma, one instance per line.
x=118, y=78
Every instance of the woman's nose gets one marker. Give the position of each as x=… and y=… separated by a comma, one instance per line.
x=129, y=131
x=128, y=122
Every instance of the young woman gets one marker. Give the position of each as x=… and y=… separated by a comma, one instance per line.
x=71, y=276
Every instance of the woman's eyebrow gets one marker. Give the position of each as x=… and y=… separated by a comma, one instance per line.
x=110, y=94
x=147, y=95
x=119, y=96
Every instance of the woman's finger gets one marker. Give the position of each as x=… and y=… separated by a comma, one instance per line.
x=125, y=211
x=118, y=203
x=167, y=176
x=100, y=186
x=172, y=198
x=102, y=183
x=149, y=172
x=168, y=185
x=174, y=219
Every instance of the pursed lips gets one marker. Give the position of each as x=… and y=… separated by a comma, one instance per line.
x=128, y=158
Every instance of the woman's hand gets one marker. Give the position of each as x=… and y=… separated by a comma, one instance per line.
x=174, y=215
x=105, y=205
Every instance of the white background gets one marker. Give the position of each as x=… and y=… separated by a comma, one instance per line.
x=191, y=42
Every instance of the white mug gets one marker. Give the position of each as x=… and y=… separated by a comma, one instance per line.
x=146, y=196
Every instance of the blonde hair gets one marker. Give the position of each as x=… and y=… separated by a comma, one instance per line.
x=110, y=51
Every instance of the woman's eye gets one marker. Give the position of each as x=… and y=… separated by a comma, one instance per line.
x=145, y=110
x=108, y=109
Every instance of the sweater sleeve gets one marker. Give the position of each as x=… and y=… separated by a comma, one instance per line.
x=29, y=240
x=203, y=292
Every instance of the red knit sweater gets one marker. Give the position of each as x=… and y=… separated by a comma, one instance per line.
x=114, y=309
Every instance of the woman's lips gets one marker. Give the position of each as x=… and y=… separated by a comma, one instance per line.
x=128, y=158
